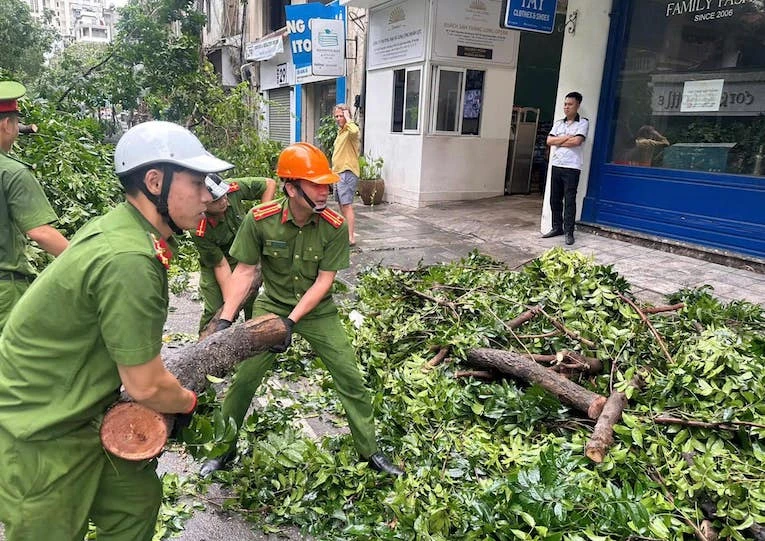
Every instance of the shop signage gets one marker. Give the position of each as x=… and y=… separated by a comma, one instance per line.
x=397, y=34
x=263, y=49
x=299, y=30
x=703, y=10
x=739, y=94
x=472, y=26
x=531, y=15
x=328, y=47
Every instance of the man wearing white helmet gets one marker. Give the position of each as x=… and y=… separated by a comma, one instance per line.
x=87, y=326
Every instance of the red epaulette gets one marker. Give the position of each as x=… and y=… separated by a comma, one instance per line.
x=266, y=209
x=202, y=227
x=335, y=219
x=233, y=187
x=161, y=250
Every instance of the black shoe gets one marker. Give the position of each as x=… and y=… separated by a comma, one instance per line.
x=380, y=462
x=215, y=464
x=569, y=238
x=553, y=233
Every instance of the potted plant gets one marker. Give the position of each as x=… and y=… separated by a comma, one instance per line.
x=371, y=185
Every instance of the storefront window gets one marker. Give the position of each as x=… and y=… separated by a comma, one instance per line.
x=406, y=100
x=457, y=106
x=691, y=90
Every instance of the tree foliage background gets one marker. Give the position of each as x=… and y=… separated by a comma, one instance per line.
x=154, y=69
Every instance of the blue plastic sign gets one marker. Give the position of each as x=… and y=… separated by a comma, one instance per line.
x=530, y=15
x=299, y=30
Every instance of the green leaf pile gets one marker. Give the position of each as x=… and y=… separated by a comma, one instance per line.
x=504, y=460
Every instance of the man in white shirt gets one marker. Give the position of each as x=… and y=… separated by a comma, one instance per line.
x=566, y=138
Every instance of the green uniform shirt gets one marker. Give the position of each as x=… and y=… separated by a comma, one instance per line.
x=23, y=206
x=213, y=240
x=102, y=302
x=292, y=256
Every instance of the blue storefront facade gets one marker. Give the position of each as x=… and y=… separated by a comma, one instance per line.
x=678, y=152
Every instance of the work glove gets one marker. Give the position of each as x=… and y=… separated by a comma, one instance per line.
x=183, y=420
x=281, y=348
x=222, y=324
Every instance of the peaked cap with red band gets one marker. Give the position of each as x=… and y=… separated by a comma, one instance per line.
x=10, y=92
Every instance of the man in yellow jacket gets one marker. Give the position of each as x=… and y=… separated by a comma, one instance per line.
x=345, y=162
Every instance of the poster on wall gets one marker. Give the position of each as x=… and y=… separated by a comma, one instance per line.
x=699, y=96
x=469, y=30
x=328, y=47
x=397, y=34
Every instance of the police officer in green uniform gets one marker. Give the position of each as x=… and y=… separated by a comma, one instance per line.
x=91, y=323
x=300, y=245
x=215, y=234
x=24, y=209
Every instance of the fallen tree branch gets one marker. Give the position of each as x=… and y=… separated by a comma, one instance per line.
x=516, y=365
x=441, y=302
x=723, y=425
x=528, y=315
x=480, y=374
x=436, y=360
x=135, y=432
x=556, y=332
x=705, y=531
x=603, y=434
x=577, y=362
x=659, y=309
x=651, y=327
x=568, y=332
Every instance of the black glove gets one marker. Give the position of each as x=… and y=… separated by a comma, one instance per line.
x=183, y=420
x=222, y=324
x=281, y=348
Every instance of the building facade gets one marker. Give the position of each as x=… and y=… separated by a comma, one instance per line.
x=90, y=21
x=673, y=92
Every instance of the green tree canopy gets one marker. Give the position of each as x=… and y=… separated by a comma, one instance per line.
x=24, y=40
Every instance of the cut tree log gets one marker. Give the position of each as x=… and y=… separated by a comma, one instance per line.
x=516, y=365
x=568, y=361
x=132, y=431
x=603, y=434
x=252, y=293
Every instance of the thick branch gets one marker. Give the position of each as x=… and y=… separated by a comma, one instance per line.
x=603, y=434
x=135, y=432
x=518, y=366
x=436, y=360
x=252, y=292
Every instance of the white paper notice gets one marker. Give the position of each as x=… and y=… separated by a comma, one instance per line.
x=701, y=95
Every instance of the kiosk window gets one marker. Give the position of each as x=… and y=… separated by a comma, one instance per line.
x=406, y=101
x=458, y=101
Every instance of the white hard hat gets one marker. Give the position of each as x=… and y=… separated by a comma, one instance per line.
x=163, y=142
x=216, y=186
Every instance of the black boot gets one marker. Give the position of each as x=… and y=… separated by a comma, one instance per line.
x=380, y=462
x=554, y=232
x=215, y=464
x=569, y=238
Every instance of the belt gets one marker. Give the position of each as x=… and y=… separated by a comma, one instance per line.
x=13, y=275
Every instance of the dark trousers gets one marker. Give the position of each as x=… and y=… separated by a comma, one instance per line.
x=564, y=182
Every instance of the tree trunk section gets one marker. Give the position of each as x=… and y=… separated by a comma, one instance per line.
x=132, y=431
x=603, y=434
x=520, y=367
x=252, y=293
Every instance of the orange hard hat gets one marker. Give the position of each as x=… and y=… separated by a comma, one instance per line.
x=305, y=161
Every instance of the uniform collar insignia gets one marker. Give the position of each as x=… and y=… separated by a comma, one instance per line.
x=233, y=187
x=161, y=250
x=201, y=227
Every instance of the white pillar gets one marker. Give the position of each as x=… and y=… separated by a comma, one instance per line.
x=581, y=70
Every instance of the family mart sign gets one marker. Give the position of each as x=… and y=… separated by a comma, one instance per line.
x=327, y=40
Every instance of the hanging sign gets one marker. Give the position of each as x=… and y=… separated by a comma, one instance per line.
x=531, y=15
x=263, y=49
x=299, y=21
x=328, y=47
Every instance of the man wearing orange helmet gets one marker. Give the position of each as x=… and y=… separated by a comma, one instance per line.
x=299, y=245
